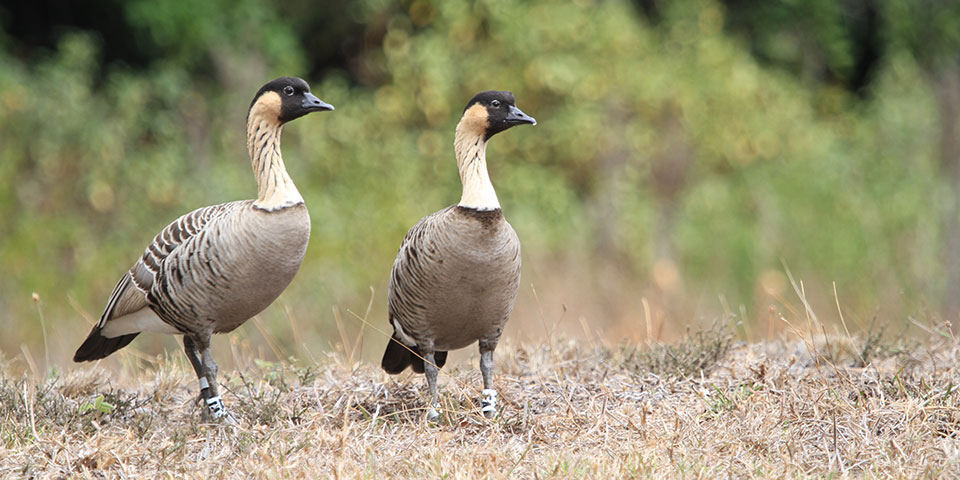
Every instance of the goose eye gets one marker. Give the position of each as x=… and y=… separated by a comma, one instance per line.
x=288, y=90
x=495, y=103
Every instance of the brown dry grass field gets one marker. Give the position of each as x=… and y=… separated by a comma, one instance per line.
x=706, y=406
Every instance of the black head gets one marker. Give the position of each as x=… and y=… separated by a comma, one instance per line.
x=288, y=98
x=489, y=113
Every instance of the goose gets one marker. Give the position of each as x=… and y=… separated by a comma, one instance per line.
x=457, y=273
x=213, y=268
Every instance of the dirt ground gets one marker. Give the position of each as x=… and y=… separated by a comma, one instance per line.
x=704, y=407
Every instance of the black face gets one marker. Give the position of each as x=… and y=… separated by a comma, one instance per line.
x=502, y=111
x=295, y=98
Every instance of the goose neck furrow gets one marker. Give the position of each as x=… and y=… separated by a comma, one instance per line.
x=275, y=188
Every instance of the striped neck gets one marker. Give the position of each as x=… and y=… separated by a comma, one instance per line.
x=275, y=188
x=478, y=192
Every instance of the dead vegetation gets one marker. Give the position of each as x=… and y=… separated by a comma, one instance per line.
x=696, y=352
x=703, y=407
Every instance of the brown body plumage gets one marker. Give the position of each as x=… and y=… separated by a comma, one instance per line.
x=215, y=267
x=455, y=279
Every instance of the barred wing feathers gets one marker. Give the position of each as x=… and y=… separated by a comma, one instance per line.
x=135, y=295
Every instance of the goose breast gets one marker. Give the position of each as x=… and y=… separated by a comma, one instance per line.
x=456, y=277
x=234, y=269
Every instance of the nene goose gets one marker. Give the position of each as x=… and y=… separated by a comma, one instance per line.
x=215, y=267
x=455, y=278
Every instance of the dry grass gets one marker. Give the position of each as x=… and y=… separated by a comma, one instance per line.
x=716, y=409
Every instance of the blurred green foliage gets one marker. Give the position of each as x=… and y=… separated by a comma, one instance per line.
x=664, y=143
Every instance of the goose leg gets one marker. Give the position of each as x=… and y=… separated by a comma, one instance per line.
x=431, y=371
x=200, y=356
x=215, y=407
x=190, y=348
x=489, y=402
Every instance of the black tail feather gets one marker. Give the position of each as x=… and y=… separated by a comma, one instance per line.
x=96, y=346
x=416, y=361
x=397, y=357
x=440, y=358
